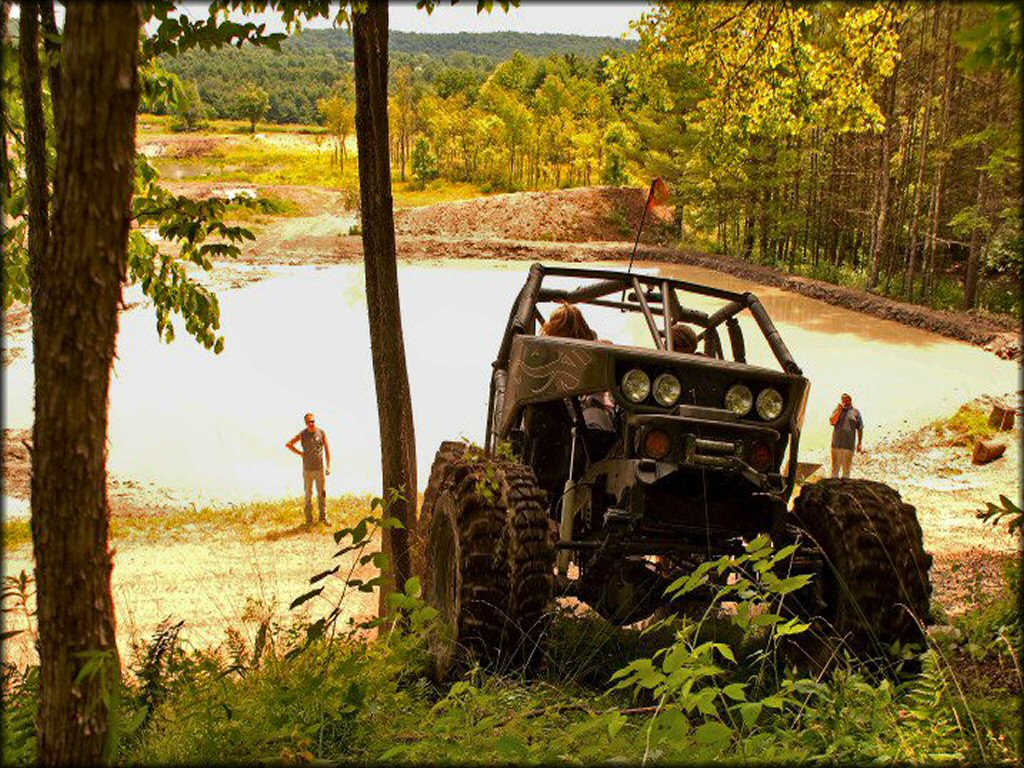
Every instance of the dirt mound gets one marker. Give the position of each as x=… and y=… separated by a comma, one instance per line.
x=568, y=215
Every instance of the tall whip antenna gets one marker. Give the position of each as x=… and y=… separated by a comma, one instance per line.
x=643, y=218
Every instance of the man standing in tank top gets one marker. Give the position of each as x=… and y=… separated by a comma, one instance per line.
x=314, y=447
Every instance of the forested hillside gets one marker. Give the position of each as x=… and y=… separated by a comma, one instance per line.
x=310, y=61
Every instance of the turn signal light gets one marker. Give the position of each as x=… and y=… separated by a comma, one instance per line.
x=657, y=444
x=761, y=456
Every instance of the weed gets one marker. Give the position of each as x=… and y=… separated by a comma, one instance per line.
x=968, y=425
x=16, y=600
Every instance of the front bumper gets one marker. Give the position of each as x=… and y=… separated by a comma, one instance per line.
x=717, y=445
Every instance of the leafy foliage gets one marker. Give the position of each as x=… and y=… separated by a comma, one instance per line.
x=253, y=103
x=1005, y=510
x=188, y=225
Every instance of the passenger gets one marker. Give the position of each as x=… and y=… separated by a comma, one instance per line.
x=684, y=339
x=568, y=322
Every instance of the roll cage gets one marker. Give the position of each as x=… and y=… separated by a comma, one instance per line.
x=645, y=294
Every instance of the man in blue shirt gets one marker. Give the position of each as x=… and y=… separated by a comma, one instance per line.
x=847, y=432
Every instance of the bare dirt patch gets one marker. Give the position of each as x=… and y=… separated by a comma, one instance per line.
x=569, y=215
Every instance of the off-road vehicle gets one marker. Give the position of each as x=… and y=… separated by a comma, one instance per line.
x=697, y=455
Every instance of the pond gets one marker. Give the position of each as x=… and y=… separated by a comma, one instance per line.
x=212, y=429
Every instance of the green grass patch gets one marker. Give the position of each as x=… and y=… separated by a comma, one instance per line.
x=262, y=163
x=966, y=427
x=251, y=521
x=261, y=209
x=408, y=195
x=17, y=533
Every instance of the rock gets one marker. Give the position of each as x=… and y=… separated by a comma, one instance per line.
x=987, y=450
x=1001, y=417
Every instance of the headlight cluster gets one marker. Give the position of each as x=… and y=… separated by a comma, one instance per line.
x=769, y=402
x=636, y=386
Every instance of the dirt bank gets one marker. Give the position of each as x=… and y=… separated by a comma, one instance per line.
x=584, y=214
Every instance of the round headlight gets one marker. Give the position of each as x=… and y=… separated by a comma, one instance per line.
x=636, y=385
x=739, y=400
x=769, y=404
x=667, y=389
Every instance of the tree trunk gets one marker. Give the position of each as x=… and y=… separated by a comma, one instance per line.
x=974, y=255
x=883, y=183
x=394, y=402
x=908, y=280
x=74, y=326
x=5, y=181
x=36, y=182
x=936, y=210
x=51, y=39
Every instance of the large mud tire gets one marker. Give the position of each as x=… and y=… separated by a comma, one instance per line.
x=447, y=455
x=530, y=557
x=486, y=561
x=873, y=589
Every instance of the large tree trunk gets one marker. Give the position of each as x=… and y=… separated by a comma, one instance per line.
x=74, y=315
x=394, y=402
x=51, y=38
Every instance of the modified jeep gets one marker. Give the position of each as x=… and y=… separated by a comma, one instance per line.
x=696, y=454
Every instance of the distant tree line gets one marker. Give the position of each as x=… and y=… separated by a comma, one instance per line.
x=308, y=64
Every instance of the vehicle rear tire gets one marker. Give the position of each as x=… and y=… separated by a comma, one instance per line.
x=873, y=588
x=486, y=561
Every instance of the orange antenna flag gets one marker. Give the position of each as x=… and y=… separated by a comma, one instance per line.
x=659, y=194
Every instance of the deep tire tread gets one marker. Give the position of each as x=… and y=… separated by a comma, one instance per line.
x=874, y=549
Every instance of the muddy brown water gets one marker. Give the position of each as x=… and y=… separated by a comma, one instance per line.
x=208, y=429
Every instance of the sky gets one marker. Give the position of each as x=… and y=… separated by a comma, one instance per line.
x=605, y=19
x=596, y=19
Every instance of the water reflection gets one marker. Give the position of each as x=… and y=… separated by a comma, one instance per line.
x=214, y=427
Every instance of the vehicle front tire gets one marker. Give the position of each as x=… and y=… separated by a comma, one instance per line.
x=873, y=588
x=486, y=560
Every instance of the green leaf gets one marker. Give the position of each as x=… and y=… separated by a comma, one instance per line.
x=712, y=732
x=412, y=586
x=791, y=584
x=306, y=597
x=791, y=627
x=735, y=691
x=324, y=574
x=359, y=532
x=750, y=712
